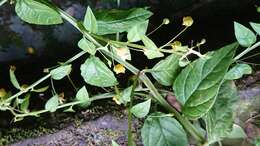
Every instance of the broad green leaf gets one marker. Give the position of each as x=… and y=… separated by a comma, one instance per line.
x=197, y=86
x=13, y=78
x=140, y=110
x=256, y=27
x=90, y=21
x=82, y=96
x=114, y=21
x=114, y=143
x=52, y=104
x=87, y=46
x=37, y=12
x=165, y=71
x=244, y=36
x=237, y=132
x=160, y=130
x=151, y=51
x=220, y=118
x=125, y=95
x=238, y=71
x=60, y=72
x=96, y=73
x=25, y=103
x=138, y=30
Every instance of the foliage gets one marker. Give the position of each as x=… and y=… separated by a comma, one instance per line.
x=203, y=87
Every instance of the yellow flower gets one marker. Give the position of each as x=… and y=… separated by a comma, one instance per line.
x=2, y=92
x=30, y=50
x=166, y=21
x=115, y=98
x=187, y=21
x=176, y=44
x=119, y=68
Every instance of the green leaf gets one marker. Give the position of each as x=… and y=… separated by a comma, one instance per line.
x=141, y=109
x=256, y=27
x=159, y=130
x=237, y=132
x=114, y=143
x=13, y=78
x=82, y=96
x=114, y=21
x=196, y=87
x=151, y=50
x=37, y=12
x=96, y=73
x=125, y=95
x=43, y=89
x=238, y=71
x=220, y=119
x=60, y=72
x=87, y=46
x=70, y=109
x=244, y=36
x=25, y=103
x=90, y=21
x=165, y=71
x=138, y=30
x=52, y=104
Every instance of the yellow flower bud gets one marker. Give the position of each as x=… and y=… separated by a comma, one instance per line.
x=119, y=68
x=187, y=21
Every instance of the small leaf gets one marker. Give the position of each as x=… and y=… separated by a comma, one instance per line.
x=37, y=12
x=87, y=46
x=151, y=50
x=125, y=95
x=238, y=71
x=165, y=71
x=43, y=89
x=13, y=78
x=114, y=143
x=160, y=130
x=25, y=103
x=256, y=27
x=90, y=21
x=197, y=86
x=138, y=30
x=70, y=109
x=60, y=72
x=244, y=36
x=82, y=96
x=237, y=132
x=52, y=104
x=141, y=109
x=96, y=73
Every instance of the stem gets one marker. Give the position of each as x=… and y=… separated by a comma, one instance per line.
x=42, y=79
x=173, y=38
x=247, y=50
x=3, y=2
x=186, y=124
x=97, y=97
x=129, y=132
x=28, y=88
